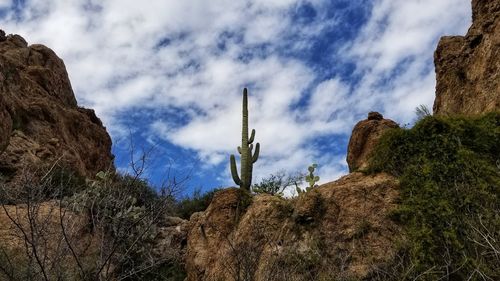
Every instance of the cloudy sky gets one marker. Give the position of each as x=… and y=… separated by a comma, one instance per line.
x=167, y=75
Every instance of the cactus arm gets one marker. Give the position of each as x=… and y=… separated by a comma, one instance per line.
x=234, y=170
x=252, y=136
x=256, y=153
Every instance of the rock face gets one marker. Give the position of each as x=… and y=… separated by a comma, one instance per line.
x=5, y=125
x=171, y=240
x=365, y=136
x=39, y=117
x=338, y=229
x=468, y=67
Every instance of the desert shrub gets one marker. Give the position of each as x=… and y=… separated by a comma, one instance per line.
x=197, y=202
x=63, y=183
x=450, y=185
x=167, y=271
x=126, y=210
x=52, y=182
x=277, y=183
x=137, y=188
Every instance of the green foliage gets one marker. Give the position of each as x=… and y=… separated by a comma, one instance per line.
x=245, y=150
x=450, y=184
x=116, y=199
x=422, y=111
x=197, y=202
x=362, y=229
x=276, y=183
x=311, y=179
x=64, y=182
x=126, y=210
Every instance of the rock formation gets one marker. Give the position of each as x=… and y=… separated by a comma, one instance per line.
x=338, y=229
x=40, y=120
x=364, y=137
x=468, y=67
x=171, y=240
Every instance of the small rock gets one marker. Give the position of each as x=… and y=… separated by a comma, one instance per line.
x=53, y=141
x=2, y=36
x=375, y=116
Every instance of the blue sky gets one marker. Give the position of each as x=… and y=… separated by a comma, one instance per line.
x=167, y=76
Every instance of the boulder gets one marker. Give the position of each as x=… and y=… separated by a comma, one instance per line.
x=364, y=138
x=468, y=67
x=171, y=239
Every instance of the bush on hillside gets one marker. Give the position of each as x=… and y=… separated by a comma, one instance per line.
x=197, y=202
x=450, y=183
x=277, y=183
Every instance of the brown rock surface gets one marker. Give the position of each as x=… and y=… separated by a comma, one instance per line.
x=468, y=67
x=365, y=136
x=171, y=239
x=47, y=125
x=5, y=125
x=338, y=229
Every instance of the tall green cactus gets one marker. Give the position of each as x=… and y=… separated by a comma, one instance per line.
x=245, y=150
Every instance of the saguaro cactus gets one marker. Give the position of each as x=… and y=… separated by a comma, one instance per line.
x=248, y=157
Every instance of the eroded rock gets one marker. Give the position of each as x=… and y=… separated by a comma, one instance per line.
x=364, y=138
x=468, y=67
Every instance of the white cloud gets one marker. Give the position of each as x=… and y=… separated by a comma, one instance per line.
x=5, y=3
x=394, y=51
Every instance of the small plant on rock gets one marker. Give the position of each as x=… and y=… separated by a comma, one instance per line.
x=310, y=178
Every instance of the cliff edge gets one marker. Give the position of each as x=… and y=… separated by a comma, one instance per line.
x=468, y=67
x=40, y=121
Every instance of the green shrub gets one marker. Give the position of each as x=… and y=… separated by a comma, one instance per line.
x=275, y=184
x=126, y=210
x=450, y=185
x=197, y=202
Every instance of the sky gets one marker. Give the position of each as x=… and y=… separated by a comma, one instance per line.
x=166, y=76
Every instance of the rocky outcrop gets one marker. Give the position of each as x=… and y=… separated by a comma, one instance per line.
x=364, y=137
x=39, y=116
x=468, y=67
x=171, y=239
x=338, y=229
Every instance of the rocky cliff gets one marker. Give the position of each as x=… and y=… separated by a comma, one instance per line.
x=340, y=229
x=40, y=121
x=468, y=67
